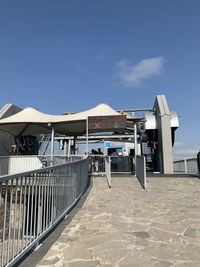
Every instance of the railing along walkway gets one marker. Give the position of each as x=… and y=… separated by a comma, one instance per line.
x=188, y=166
x=33, y=202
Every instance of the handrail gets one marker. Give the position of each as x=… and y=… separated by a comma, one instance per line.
x=33, y=202
x=26, y=163
x=186, y=165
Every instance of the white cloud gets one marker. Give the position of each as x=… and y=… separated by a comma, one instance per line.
x=132, y=75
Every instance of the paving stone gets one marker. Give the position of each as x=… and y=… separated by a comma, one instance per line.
x=142, y=234
x=193, y=231
x=53, y=261
x=161, y=234
x=72, y=253
x=161, y=263
x=51, y=253
x=94, y=263
x=112, y=244
x=187, y=264
x=111, y=256
x=162, y=251
x=64, y=238
x=135, y=260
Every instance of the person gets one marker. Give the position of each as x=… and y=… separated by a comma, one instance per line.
x=114, y=160
x=114, y=153
x=100, y=159
x=94, y=160
x=13, y=149
x=92, y=152
x=99, y=151
x=198, y=161
x=92, y=166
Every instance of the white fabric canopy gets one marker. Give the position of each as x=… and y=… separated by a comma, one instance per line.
x=75, y=124
x=31, y=121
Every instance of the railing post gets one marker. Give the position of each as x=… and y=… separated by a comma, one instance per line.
x=185, y=164
x=39, y=225
x=108, y=170
x=135, y=145
x=109, y=167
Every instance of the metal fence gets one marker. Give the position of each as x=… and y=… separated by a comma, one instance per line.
x=186, y=166
x=97, y=163
x=122, y=164
x=17, y=164
x=119, y=164
x=31, y=203
x=141, y=170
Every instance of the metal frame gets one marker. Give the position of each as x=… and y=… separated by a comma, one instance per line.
x=186, y=166
x=34, y=202
x=108, y=171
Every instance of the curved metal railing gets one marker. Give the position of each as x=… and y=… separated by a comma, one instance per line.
x=33, y=202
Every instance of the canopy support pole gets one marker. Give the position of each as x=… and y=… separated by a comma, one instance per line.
x=74, y=145
x=52, y=145
x=69, y=148
x=65, y=148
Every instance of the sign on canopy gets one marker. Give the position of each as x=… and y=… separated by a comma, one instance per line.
x=102, y=123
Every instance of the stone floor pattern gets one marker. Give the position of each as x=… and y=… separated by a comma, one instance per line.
x=126, y=226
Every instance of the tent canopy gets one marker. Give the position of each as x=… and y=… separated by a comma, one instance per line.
x=75, y=124
x=30, y=121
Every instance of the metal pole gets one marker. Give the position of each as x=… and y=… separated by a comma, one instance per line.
x=69, y=148
x=135, y=144
x=65, y=148
x=109, y=170
x=185, y=163
x=87, y=130
x=52, y=145
x=135, y=139
x=74, y=145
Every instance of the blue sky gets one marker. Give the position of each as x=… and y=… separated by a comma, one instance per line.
x=70, y=55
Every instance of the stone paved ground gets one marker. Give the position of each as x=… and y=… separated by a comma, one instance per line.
x=126, y=226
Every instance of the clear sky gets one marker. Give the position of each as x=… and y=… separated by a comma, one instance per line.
x=69, y=55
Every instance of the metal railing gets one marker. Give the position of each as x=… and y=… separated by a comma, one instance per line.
x=119, y=164
x=141, y=170
x=97, y=163
x=17, y=164
x=186, y=166
x=32, y=203
x=108, y=170
x=122, y=164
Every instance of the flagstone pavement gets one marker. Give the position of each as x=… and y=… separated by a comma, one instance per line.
x=126, y=226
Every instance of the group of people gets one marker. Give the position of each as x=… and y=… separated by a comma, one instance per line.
x=96, y=161
x=96, y=152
